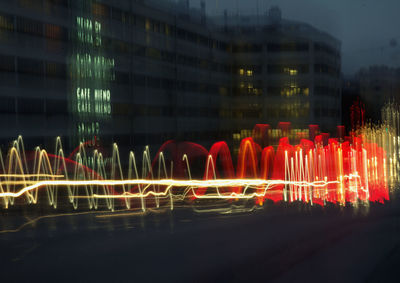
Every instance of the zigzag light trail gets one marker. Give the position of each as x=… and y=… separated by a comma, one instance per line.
x=301, y=182
x=359, y=168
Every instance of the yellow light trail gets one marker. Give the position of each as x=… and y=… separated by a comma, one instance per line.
x=30, y=176
x=170, y=183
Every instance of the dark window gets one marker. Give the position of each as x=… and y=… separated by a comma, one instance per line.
x=56, y=107
x=54, y=69
x=122, y=77
x=25, y=25
x=274, y=91
x=326, y=69
x=7, y=63
x=30, y=105
x=287, y=47
x=167, y=84
x=139, y=80
x=181, y=34
x=7, y=105
x=30, y=66
x=321, y=47
x=116, y=14
x=63, y=3
x=153, y=82
x=246, y=48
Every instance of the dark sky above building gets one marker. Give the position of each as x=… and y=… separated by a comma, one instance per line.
x=369, y=29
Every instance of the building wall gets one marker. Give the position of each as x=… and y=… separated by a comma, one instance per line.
x=138, y=73
x=283, y=71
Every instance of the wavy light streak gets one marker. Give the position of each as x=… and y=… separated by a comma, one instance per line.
x=358, y=168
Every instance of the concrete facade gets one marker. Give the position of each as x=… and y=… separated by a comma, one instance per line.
x=142, y=72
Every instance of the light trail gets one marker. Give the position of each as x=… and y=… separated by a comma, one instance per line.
x=359, y=168
x=30, y=176
x=253, y=183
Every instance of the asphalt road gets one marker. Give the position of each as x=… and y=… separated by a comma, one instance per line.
x=273, y=244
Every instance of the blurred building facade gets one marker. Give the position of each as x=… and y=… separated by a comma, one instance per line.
x=142, y=72
x=350, y=99
x=290, y=69
x=378, y=85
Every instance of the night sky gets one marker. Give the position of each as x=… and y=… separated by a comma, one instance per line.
x=365, y=27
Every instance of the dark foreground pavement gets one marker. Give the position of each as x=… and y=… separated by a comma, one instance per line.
x=274, y=244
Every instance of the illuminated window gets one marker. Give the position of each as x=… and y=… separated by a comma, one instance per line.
x=257, y=91
x=52, y=31
x=148, y=25
x=167, y=30
x=249, y=73
x=250, y=88
x=6, y=22
x=241, y=72
x=290, y=71
x=99, y=10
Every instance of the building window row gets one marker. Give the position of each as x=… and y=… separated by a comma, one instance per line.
x=169, y=84
x=6, y=22
x=247, y=70
x=288, y=47
x=326, y=112
x=28, y=105
x=291, y=70
x=288, y=91
x=326, y=91
x=322, y=47
x=156, y=26
x=39, y=67
x=246, y=48
x=326, y=69
x=293, y=109
x=248, y=88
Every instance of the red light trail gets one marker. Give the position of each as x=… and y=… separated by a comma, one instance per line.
x=316, y=172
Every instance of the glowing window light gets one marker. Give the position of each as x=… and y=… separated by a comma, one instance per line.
x=167, y=30
x=92, y=71
x=147, y=25
x=6, y=23
x=290, y=71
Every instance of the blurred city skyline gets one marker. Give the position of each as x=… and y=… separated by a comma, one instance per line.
x=368, y=29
